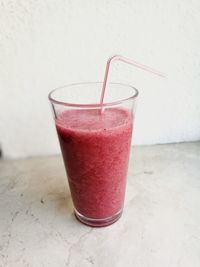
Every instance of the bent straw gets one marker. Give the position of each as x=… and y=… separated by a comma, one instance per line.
x=128, y=61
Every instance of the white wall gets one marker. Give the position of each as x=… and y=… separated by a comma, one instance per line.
x=45, y=44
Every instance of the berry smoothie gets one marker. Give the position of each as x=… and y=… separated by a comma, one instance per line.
x=95, y=149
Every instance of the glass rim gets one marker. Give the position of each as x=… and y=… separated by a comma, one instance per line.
x=97, y=105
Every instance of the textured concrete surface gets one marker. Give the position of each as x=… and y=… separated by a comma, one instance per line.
x=46, y=44
x=160, y=225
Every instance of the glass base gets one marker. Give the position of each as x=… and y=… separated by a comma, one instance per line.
x=98, y=222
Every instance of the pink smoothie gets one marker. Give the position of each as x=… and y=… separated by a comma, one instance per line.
x=96, y=152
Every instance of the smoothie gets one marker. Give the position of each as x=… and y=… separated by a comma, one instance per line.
x=95, y=149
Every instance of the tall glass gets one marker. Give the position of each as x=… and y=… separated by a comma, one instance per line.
x=95, y=145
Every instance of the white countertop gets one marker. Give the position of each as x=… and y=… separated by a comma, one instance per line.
x=160, y=225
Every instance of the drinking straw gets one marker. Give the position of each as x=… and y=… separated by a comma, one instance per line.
x=128, y=61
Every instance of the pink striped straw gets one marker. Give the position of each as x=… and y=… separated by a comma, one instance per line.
x=128, y=61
